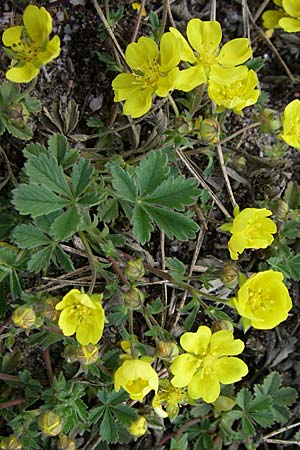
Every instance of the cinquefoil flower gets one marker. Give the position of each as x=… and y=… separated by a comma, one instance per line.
x=154, y=72
x=136, y=377
x=233, y=88
x=138, y=427
x=208, y=362
x=251, y=228
x=291, y=124
x=205, y=37
x=168, y=397
x=286, y=17
x=264, y=300
x=30, y=47
x=81, y=314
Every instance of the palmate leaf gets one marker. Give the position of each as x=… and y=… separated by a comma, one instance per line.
x=29, y=236
x=44, y=170
x=151, y=172
x=40, y=260
x=174, y=193
x=108, y=428
x=36, y=200
x=82, y=176
x=66, y=224
x=58, y=145
x=123, y=184
x=142, y=226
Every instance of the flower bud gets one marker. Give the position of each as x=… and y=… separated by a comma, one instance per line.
x=134, y=269
x=219, y=325
x=138, y=427
x=134, y=298
x=167, y=350
x=282, y=209
x=49, y=309
x=19, y=114
x=24, y=317
x=230, y=275
x=50, y=423
x=70, y=353
x=268, y=120
x=88, y=354
x=10, y=443
x=239, y=163
x=182, y=125
x=66, y=443
x=224, y=403
x=209, y=131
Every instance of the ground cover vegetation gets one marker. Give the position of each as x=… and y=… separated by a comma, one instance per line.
x=149, y=244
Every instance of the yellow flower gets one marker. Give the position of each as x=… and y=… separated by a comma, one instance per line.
x=169, y=397
x=154, y=71
x=292, y=8
x=30, y=47
x=137, y=377
x=205, y=37
x=137, y=7
x=264, y=300
x=138, y=427
x=233, y=88
x=208, y=363
x=82, y=314
x=291, y=124
x=251, y=228
x=271, y=18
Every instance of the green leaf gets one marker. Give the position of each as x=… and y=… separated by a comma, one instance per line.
x=8, y=256
x=244, y=398
x=108, y=210
x=177, y=269
x=124, y=414
x=58, y=145
x=260, y=410
x=7, y=223
x=63, y=260
x=123, y=184
x=247, y=426
x=36, y=200
x=8, y=91
x=34, y=150
x=82, y=174
x=172, y=223
x=66, y=225
x=91, y=199
x=44, y=170
x=40, y=260
x=174, y=193
x=108, y=428
x=142, y=226
x=29, y=236
x=24, y=133
x=152, y=171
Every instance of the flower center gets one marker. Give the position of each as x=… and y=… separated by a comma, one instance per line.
x=136, y=386
x=259, y=299
x=148, y=76
x=80, y=312
x=25, y=50
x=207, y=59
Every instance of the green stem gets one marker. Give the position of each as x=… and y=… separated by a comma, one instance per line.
x=173, y=104
x=28, y=90
x=91, y=261
x=130, y=321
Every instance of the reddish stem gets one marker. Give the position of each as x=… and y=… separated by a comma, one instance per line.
x=5, y=325
x=6, y=377
x=118, y=270
x=48, y=365
x=10, y=403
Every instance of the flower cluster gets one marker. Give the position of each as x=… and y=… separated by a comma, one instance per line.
x=230, y=83
x=287, y=16
x=30, y=47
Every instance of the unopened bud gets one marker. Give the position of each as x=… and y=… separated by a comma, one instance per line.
x=209, y=131
x=19, y=115
x=239, y=163
x=49, y=309
x=224, y=403
x=220, y=325
x=10, y=443
x=24, y=317
x=230, y=275
x=269, y=123
x=134, y=298
x=134, y=269
x=282, y=209
x=138, y=427
x=182, y=125
x=50, y=423
x=66, y=443
x=167, y=350
x=88, y=354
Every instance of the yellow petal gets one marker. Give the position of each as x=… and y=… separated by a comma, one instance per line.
x=12, y=36
x=290, y=25
x=230, y=370
x=139, y=104
x=205, y=386
x=227, y=75
x=67, y=322
x=169, y=52
x=196, y=343
x=167, y=83
x=236, y=245
x=235, y=52
x=271, y=18
x=292, y=7
x=188, y=79
x=183, y=367
x=223, y=343
x=38, y=23
x=71, y=298
x=52, y=51
x=204, y=35
x=186, y=53
x=142, y=54
x=22, y=74
x=125, y=86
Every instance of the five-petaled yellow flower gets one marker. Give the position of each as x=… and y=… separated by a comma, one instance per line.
x=208, y=362
x=168, y=397
x=291, y=124
x=205, y=37
x=251, y=228
x=136, y=377
x=287, y=17
x=263, y=300
x=154, y=72
x=233, y=88
x=81, y=314
x=138, y=427
x=30, y=47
